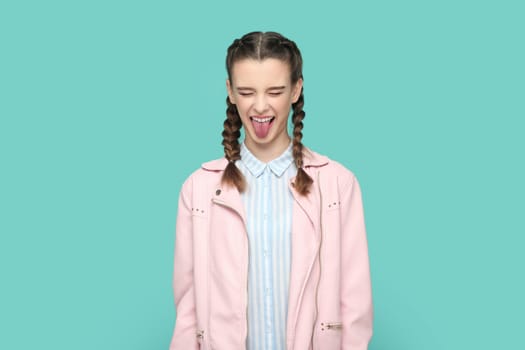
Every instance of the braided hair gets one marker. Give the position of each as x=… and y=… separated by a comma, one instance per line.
x=259, y=46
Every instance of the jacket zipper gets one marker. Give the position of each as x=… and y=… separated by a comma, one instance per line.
x=319, y=259
x=219, y=202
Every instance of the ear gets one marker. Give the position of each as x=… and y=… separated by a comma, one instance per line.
x=297, y=89
x=230, y=91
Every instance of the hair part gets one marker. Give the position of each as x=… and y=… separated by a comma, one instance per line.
x=260, y=46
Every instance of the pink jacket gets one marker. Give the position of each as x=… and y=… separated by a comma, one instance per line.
x=330, y=301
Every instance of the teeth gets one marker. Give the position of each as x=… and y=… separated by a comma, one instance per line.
x=262, y=120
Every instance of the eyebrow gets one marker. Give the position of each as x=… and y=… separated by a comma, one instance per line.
x=245, y=88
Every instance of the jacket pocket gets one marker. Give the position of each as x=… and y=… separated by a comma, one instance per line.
x=329, y=337
x=336, y=326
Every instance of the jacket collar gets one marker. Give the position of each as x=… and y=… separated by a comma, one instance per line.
x=310, y=159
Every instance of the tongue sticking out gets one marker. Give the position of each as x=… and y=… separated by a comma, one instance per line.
x=262, y=129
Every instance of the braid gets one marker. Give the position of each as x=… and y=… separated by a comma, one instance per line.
x=232, y=150
x=302, y=181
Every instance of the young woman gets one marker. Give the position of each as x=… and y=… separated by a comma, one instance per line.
x=271, y=250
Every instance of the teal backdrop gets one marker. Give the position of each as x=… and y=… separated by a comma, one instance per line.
x=107, y=106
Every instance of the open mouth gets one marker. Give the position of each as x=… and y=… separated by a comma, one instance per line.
x=262, y=125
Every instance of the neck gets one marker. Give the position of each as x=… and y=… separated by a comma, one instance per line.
x=267, y=153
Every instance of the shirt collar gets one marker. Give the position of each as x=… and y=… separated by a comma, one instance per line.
x=278, y=165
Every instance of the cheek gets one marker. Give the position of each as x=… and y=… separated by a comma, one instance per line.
x=243, y=108
x=283, y=107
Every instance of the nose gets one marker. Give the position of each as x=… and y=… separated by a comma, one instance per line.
x=261, y=104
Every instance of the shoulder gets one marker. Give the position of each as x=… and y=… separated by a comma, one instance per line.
x=334, y=176
x=208, y=173
x=328, y=167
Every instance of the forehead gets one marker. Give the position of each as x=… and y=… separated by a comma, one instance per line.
x=267, y=72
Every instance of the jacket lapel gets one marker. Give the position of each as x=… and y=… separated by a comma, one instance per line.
x=310, y=203
x=230, y=197
x=227, y=196
x=307, y=204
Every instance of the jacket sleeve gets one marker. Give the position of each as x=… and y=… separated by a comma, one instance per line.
x=184, y=335
x=356, y=292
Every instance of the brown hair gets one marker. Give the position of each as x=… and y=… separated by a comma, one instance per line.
x=259, y=46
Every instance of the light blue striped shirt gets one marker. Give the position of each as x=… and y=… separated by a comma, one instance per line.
x=268, y=206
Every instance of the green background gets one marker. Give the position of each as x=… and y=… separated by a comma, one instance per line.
x=107, y=106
